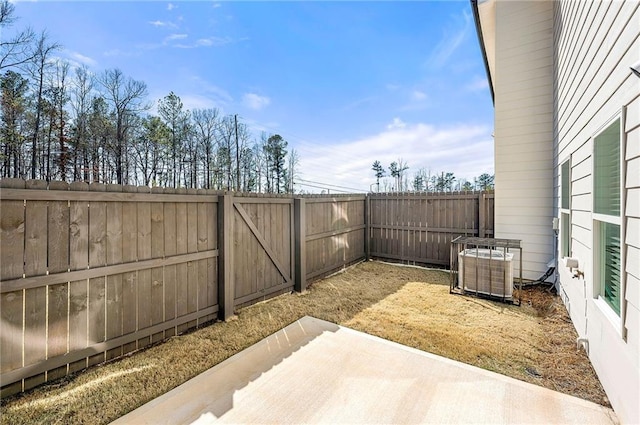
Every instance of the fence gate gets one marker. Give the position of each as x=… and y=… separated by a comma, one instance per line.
x=263, y=245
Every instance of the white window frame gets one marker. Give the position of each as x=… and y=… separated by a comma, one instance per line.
x=597, y=219
x=565, y=213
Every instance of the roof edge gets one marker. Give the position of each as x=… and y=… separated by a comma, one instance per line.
x=476, y=19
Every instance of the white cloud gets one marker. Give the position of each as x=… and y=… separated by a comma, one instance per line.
x=216, y=5
x=171, y=6
x=80, y=58
x=466, y=150
x=418, y=95
x=359, y=102
x=255, y=101
x=393, y=86
x=219, y=96
x=213, y=41
x=160, y=24
x=196, y=101
x=397, y=123
x=450, y=41
x=205, y=42
x=176, y=37
x=477, y=84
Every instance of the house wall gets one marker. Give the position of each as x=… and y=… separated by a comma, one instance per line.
x=594, y=44
x=523, y=129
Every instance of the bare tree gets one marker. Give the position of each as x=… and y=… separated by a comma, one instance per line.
x=259, y=165
x=60, y=99
x=126, y=96
x=226, y=137
x=39, y=66
x=13, y=107
x=81, y=88
x=205, y=122
x=401, y=178
x=14, y=51
x=292, y=170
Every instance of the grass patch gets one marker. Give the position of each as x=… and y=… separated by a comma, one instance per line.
x=412, y=306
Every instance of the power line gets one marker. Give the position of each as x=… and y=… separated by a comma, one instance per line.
x=332, y=185
x=323, y=187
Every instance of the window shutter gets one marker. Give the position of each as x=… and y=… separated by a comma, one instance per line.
x=607, y=171
x=611, y=264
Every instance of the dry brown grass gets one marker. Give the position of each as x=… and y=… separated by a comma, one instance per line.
x=412, y=306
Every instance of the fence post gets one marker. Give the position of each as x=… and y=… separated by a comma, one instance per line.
x=367, y=226
x=225, y=257
x=481, y=215
x=299, y=218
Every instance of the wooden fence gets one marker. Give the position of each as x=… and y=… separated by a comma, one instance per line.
x=334, y=233
x=92, y=272
x=419, y=227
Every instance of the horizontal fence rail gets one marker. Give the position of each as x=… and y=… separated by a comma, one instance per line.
x=92, y=272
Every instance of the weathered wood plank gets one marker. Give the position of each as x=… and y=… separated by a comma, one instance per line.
x=144, y=276
x=35, y=246
x=225, y=263
x=157, y=295
x=202, y=227
x=114, y=312
x=11, y=334
x=35, y=325
x=97, y=229
x=129, y=228
x=96, y=322
x=170, y=272
x=129, y=307
x=12, y=231
x=114, y=231
x=203, y=275
x=157, y=300
x=192, y=227
x=144, y=229
x=157, y=230
x=57, y=311
x=78, y=320
x=78, y=230
x=181, y=289
x=181, y=228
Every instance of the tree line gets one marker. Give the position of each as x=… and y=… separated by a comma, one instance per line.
x=423, y=180
x=59, y=123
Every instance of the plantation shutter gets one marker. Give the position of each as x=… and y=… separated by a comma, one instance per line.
x=612, y=263
x=607, y=171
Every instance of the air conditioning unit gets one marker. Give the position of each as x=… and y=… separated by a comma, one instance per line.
x=486, y=271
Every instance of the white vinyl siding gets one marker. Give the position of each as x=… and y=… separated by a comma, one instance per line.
x=595, y=43
x=523, y=129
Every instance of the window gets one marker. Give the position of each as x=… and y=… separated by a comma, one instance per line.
x=565, y=209
x=606, y=214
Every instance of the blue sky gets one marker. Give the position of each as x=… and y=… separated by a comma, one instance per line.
x=345, y=83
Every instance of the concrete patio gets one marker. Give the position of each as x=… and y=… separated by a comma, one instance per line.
x=314, y=371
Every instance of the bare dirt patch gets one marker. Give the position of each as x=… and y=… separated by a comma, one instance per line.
x=412, y=306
